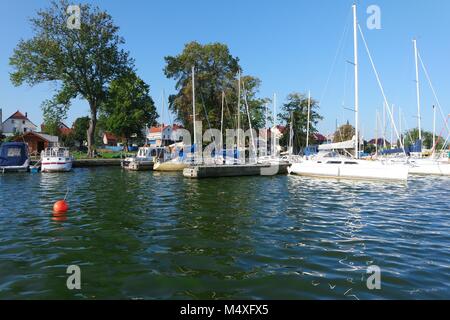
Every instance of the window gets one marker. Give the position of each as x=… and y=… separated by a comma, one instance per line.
x=14, y=152
x=24, y=129
x=23, y=122
x=12, y=121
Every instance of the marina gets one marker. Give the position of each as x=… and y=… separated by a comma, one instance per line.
x=261, y=175
x=224, y=238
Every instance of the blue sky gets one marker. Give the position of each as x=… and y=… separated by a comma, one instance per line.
x=289, y=44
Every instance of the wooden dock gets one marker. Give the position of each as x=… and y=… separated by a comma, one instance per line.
x=216, y=171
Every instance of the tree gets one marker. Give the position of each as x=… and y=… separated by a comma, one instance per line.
x=82, y=62
x=345, y=132
x=129, y=107
x=54, y=114
x=296, y=108
x=412, y=136
x=79, y=130
x=215, y=72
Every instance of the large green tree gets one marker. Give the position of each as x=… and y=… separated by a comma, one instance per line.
x=82, y=62
x=129, y=107
x=79, y=130
x=296, y=108
x=215, y=72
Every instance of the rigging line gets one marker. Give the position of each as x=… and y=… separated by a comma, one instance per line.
x=382, y=89
x=434, y=92
x=338, y=50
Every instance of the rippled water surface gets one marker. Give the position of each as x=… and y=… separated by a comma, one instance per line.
x=150, y=235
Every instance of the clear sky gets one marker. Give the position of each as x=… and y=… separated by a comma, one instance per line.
x=289, y=44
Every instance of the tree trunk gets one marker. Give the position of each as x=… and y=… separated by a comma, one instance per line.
x=126, y=145
x=91, y=130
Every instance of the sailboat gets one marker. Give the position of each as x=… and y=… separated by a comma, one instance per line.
x=331, y=165
x=432, y=165
x=173, y=161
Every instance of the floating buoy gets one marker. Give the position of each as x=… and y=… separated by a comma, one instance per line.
x=60, y=206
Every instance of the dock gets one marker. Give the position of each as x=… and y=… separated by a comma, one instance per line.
x=216, y=171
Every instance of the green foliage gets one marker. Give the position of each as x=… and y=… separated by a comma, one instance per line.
x=54, y=114
x=79, y=130
x=412, y=136
x=82, y=62
x=345, y=132
x=296, y=108
x=215, y=72
x=129, y=107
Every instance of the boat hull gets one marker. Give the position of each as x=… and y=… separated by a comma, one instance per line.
x=358, y=170
x=138, y=165
x=435, y=169
x=57, y=166
x=170, y=166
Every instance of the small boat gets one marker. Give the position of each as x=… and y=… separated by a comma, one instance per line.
x=14, y=157
x=176, y=164
x=56, y=159
x=144, y=160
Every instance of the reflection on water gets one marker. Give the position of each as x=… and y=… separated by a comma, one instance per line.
x=158, y=235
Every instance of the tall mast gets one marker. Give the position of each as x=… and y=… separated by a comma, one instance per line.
x=239, y=111
x=392, y=127
x=221, y=119
x=291, y=134
x=417, y=89
x=274, y=123
x=400, y=125
x=355, y=40
x=162, y=119
x=309, y=114
x=193, y=111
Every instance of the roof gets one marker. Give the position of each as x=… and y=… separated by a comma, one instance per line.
x=19, y=116
x=110, y=136
x=63, y=129
x=43, y=136
x=157, y=129
x=320, y=137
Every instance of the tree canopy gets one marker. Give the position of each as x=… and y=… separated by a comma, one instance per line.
x=345, y=132
x=129, y=107
x=296, y=108
x=82, y=62
x=215, y=72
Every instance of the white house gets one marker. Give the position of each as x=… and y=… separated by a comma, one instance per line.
x=18, y=124
x=164, y=135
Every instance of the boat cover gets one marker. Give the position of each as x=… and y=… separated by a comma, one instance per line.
x=13, y=154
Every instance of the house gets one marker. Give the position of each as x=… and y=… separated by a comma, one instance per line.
x=164, y=135
x=64, y=130
x=109, y=139
x=37, y=141
x=18, y=123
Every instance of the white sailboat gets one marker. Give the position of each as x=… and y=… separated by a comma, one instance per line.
x=331, y=165
x=171, y=162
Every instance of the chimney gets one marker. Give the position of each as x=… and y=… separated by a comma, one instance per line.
x=26, y=114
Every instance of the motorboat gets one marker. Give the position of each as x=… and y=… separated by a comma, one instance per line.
x=56, y=159
x=14, y=157
x=144, y=159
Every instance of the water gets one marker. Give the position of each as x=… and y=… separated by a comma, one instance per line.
x=159, y=236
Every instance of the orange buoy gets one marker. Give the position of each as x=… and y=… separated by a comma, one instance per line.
x=60, y=206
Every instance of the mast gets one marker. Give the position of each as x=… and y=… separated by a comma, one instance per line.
x=291, y=134
x=193, y=111
x=274, y=123
x=355, y=40
x=239, y=111
x=221, y=119
x=417, y=89
x=392, y=127
x=309, y=114
x=434, y=129
x=376, y=134
x=400, y=124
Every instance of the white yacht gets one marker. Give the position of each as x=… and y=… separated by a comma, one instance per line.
x=56, y=159
x=144, y=159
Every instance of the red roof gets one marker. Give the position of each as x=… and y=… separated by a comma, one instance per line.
x=110, y=136
x=18, y=115
x=157, y=129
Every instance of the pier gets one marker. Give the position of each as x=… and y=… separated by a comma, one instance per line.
x=216, y=171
